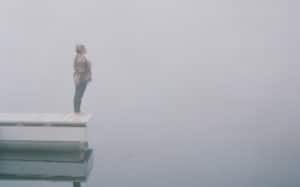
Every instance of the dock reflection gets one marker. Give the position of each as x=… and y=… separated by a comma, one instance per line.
x=74, y=167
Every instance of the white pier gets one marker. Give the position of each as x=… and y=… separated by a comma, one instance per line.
x=48, y=132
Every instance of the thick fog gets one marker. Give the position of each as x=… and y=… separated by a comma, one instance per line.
x=184, y=92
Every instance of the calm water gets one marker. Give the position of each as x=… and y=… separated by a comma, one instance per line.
x=184, y=93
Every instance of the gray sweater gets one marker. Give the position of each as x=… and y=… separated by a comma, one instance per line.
x=82, y=69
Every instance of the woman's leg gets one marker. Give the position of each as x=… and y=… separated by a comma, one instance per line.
x=76, y=98
x=79, y=92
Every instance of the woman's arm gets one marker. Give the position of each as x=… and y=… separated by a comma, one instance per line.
x=89, y=70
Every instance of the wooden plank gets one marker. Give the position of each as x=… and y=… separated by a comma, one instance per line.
x=43, y=119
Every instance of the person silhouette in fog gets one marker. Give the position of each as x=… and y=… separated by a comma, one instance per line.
x=82, y=75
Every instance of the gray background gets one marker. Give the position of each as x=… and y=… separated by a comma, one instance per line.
x=184, y=93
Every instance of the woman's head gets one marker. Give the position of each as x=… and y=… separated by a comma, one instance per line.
x=80, y=49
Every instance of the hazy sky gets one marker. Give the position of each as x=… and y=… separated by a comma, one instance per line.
x=184, y=92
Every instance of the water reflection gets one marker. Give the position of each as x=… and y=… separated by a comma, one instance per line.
x=45, y=165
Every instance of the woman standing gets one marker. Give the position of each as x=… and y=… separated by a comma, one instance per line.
x=82, y=75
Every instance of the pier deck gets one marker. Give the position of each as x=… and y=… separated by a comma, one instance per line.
x=43, y=131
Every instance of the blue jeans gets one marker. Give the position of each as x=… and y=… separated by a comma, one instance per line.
x=79, y=92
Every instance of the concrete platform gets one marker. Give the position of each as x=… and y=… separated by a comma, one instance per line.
x=42, y=119
x=60, y=132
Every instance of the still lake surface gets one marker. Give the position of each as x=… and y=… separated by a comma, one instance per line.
x=221, y=148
